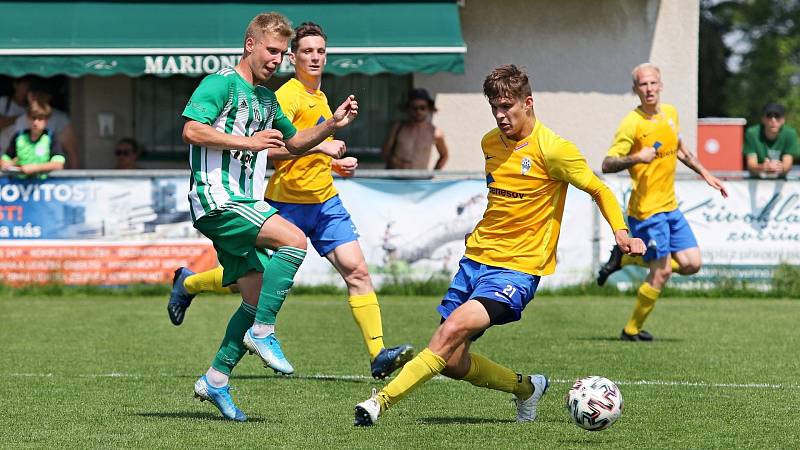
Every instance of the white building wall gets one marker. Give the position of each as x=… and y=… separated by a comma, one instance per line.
x=579, y=55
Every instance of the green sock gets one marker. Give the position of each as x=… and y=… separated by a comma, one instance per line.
x=232, y=349
x=278, y=279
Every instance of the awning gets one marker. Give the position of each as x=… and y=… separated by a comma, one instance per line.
x=195, y=38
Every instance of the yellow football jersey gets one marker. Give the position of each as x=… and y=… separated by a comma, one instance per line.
x=528, y=182
x=654, y=183
x=307, y=179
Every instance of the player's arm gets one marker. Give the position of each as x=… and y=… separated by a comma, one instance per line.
x=202, y=110
x=309, y=138
x=441, y=147
x=566, y=163
x=326, y=147
x=619, y=156
x=691, y=161
x=197, y=133
x=345, y=167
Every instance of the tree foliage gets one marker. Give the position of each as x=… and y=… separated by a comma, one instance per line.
x=764, y=35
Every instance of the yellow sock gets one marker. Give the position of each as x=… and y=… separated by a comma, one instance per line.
x=628, y=260
x=367, y=314
x=645, y=301
x=208, y=281
x=485, y=373
x=422, y=368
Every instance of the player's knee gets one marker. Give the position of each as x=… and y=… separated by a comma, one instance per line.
x=357, y=275
x=690, y=268
x=296, y=239
x=453, y=332
x=661, y=276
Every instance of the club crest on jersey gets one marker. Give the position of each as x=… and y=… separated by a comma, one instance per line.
x=526, y=165
x=257, y=114
x=261, y=206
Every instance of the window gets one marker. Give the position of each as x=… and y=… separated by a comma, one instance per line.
x=158, y=104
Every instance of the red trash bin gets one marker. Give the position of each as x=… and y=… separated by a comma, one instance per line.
x=719, y=142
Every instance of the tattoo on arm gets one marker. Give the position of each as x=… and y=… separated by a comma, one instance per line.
x=613, y=164
x=690, y=161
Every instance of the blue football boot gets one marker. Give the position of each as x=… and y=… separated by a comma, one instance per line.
x=179, y=299
x=269, y=350
x=220, y=397
x=391, y=359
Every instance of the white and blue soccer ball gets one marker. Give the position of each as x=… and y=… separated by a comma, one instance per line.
x=594, y=403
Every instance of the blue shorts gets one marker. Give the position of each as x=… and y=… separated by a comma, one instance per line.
x=327, y=224
x=663, y=233
x=474, y=280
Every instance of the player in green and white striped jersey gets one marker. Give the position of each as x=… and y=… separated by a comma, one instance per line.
x=232, y=124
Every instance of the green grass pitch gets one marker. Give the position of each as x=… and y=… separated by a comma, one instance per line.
x=112, y=372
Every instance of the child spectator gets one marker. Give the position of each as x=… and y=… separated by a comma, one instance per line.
x=31, y=153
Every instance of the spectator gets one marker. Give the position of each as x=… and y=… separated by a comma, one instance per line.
x=127, y=151
x=771, y=146
x=11, y=108
x=59, y=124
x=31, y=152
x=410, y=142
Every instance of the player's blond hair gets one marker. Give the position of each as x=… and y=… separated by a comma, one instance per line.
x=507, y=81
x=272, y=23
x=644, y=66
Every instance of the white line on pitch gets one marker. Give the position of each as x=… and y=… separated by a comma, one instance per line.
x=441, y=378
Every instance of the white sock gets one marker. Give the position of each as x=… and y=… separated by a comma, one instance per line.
x=216, y=378
x=261, y=330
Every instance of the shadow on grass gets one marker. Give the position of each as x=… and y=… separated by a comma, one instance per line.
x=271, y=376
x=461, y=420
x=617, y=339
x=191, y=415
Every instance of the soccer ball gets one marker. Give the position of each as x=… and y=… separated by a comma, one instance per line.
x=594, y=403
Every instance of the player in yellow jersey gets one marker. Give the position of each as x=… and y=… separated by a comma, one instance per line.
x=528, y=171
x=648, y=144
x=302, y=190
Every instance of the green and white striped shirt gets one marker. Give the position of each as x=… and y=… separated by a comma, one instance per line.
x=225, y=101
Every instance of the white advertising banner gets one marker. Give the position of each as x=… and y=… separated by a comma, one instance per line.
x=415, y=229
x=756, y=228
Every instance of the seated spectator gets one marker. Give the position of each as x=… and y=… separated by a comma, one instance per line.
x=13, y=107
x=410, y=142
x=771, y=146
x=31, y=152
x=64, y=139
x=127, y=152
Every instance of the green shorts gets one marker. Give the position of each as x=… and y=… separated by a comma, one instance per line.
x=233, y=228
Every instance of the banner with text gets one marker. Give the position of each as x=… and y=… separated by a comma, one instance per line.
x=118, y=230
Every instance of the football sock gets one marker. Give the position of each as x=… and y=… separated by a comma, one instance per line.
x=216, y=378
x=367, y=314
x=208, y=281
x=232, y=348
x=422, y=368
x=485, y=373
x=645, y=301
x=628, y=260
x=278, y=279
